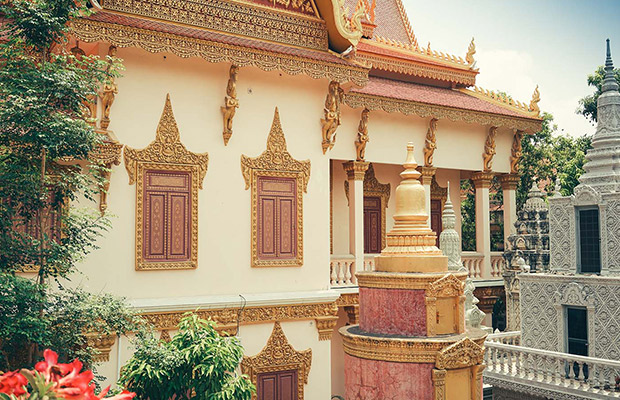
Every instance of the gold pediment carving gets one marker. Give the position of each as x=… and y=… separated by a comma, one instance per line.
x=275, y=158
x=165, y=149
x=447, y=286
x=279, y=355
x=462, y=354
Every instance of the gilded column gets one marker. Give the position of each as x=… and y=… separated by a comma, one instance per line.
x=509, y=184
x=427, y=179
x=482, y=183
x=355, y=174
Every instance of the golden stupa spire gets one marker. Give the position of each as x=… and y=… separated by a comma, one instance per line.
x=411, y=243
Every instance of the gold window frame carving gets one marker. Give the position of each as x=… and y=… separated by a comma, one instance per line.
x=166, y=153
x=374, y=188
x=276, y=162
x=279, y=355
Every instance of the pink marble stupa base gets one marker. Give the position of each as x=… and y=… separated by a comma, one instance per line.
x=384, y=380
x=392, y=311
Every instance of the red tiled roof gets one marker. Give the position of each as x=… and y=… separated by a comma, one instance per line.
x=390, y=22
x=433, y=95
x=203, y=34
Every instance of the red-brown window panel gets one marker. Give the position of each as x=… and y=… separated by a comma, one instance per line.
x=279, y=385
x=277, y=218
x=166, y=219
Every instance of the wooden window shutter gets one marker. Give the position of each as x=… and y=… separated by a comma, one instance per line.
x=277, y=218
x=372, y=225
x=166, y=219
x=278, y=385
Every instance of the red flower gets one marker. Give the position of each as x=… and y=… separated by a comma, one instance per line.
x=13, y=383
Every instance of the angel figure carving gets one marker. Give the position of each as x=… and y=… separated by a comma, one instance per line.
x=230, y=103
x=430, y=143
x=489, y=149
x=331, y=121
x=362, y=136
x=109, y=92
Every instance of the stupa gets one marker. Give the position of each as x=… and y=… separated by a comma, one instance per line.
x=411, y=341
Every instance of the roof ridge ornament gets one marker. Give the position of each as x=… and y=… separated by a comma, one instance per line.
x=506, y=100
x=534, y=102
x=471, y=50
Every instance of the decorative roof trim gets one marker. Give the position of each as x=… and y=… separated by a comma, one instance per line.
x=531, y=111
x=343, y=32
x=424, y=110
x=156, y=42
x=448, y=73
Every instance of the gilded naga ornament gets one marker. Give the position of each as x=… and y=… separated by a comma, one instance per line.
x=331, y=121
x=489, y=149
x=430, y=143
x=109, y=92
x=534, y=102
x=362, y=136
x=471, y=50
x=516, y=152
x=231, y=103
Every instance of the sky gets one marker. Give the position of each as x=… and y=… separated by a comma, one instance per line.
x=523, y=43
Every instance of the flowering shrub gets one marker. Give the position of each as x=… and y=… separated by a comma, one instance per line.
x=53, y=381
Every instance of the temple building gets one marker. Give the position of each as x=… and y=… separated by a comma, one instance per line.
x=255, y=150
x=568, y=345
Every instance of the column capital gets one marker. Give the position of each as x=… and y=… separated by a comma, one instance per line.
x=509, y=181
x=356, y=170
x=427, y=174
x=482, y=180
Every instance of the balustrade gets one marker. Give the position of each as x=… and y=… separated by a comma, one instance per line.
x=369, y=262
x=588, y=377
x=342, y=271
x=473, y=262
x=511, y=337
x=497, y=264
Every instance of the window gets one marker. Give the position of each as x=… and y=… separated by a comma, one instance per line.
x=589, y=240
x=435, y=217
x=280, y=385
x=372, y=225
x=277, y=216
x=577, y=331
x=167, y=233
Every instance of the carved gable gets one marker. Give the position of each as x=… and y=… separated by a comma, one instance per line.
x=464, y=353
x=447, y=286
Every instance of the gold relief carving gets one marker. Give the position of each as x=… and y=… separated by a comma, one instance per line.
x=331, y=119
x=165, y=336
x=215, y=52
x=106, y=154
x=439, y=383
x=509, y=181
x=409, y=350
x=362, y=136
x=462, y=354
x=348, y=299
x=166, y=152
x=325, y=326
x=516, y=152
x=438, y=192
x=432, y=318
x=471, y=50
x=463, y=77
x=359, y=100
x=279, y=355
x=276, y=161
x=478, y=381
x=447, y=286
x=430, y=143
x=108, y=93
x=356, y=170
x=482, y=180
x=398, y=280
x=489, y=149
x=230, y=103
x=353, y=312
x=233, y=17
x=428, y=173
x=374, y=188
x=102, y=343
x=534, y=102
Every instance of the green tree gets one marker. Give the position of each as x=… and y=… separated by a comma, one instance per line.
x=45, y=139
x=197, y=364
x=587, y=105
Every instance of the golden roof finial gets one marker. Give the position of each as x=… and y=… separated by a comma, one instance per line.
x=471, y=50
x=534, y=102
